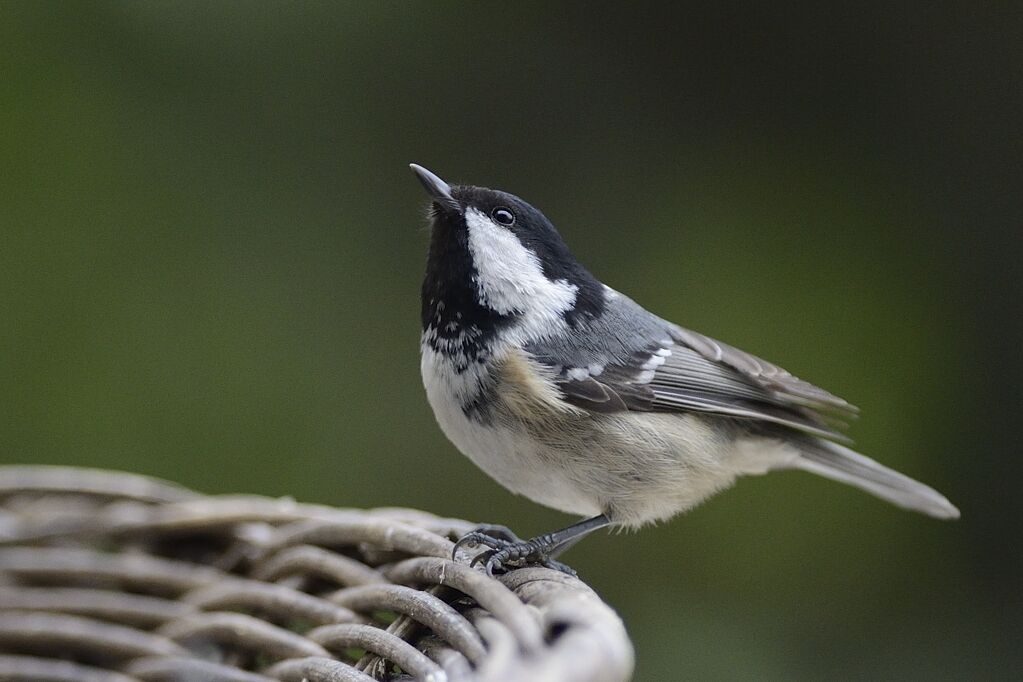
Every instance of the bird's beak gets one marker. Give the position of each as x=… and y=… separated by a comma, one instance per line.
x=438, y=190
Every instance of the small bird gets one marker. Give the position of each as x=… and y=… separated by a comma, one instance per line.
x=570, y=393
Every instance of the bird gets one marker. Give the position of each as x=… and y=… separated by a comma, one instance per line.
x=568, y=392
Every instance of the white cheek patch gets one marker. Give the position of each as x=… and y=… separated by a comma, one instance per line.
x=511, y=280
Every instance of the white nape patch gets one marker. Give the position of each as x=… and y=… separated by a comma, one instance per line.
x=511, y=280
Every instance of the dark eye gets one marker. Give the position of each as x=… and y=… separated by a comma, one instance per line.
x=503, y=216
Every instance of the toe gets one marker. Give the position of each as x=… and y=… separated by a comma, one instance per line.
x=483, y=557
x=558, y=566
x=494, y=563
x=497, y=531
x=477, y=539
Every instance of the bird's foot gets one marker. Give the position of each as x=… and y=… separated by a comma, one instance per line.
x=493, y=536
x=505, y=550
x=485, y=533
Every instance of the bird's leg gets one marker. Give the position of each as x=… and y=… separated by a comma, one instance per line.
x=539, y=550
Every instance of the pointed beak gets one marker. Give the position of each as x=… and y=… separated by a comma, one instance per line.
x=438, y=190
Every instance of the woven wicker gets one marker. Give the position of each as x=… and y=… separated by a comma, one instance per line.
x=115, y=577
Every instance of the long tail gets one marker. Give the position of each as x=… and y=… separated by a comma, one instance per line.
x=839, y=463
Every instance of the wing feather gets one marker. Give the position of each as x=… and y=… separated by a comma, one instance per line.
x=629, y=359
x=764, y=373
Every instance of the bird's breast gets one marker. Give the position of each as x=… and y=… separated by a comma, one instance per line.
x=507, y=416
x=489, y=412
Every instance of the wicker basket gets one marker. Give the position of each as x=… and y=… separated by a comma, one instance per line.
x=115, y=577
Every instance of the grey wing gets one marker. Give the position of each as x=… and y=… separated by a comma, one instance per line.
x=630, y=359
x=765, y=374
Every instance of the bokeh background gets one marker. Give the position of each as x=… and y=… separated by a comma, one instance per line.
x=211, y=249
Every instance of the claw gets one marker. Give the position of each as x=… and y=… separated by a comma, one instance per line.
x=493, y=563
x=498, y=532
x=482, y=557
x=475, y=539
x=466, y=539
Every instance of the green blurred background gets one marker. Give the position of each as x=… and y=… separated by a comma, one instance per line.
x=212, y=249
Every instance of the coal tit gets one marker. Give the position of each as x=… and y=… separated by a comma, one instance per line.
x=568, y=392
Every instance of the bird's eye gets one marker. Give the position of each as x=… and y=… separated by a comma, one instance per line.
x=503, y=216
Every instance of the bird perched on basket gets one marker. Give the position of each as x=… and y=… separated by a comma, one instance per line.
x=570, y=393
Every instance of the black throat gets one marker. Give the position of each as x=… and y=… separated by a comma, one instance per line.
x=455, y=323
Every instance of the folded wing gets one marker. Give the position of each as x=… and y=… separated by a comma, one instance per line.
x=628, y=359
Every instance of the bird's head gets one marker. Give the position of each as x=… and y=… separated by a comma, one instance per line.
x=497, y=262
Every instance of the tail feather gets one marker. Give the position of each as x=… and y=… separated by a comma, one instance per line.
x=839, y=463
